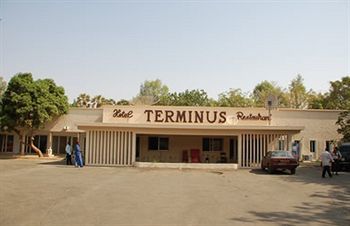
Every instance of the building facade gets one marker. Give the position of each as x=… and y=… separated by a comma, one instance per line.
x=125, y=135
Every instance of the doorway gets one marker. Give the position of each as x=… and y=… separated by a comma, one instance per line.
x=138, y=148
x=234, y=149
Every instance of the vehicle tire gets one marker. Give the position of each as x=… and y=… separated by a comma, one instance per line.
x=292, y=171
x=269, y=170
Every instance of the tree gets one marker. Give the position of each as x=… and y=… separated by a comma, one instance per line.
x=83, y=100
x=2, y=86
x=28, y=105
x=266, y=88
x=298, y=96
x=344, y=125
x=339, y=94
x=123, y=102
x=98, y=101
x=234, y=98
x=316, y=100
x=152, y=92
x=190, y=98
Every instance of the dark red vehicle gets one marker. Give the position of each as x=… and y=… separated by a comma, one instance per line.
x=279, y=159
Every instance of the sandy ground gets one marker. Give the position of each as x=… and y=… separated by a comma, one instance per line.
x=36, y=192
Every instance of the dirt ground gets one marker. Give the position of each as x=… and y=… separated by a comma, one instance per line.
x=42, y=192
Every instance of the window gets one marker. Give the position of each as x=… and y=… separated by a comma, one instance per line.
x=328, y=145
x=312, y=146
x=158, y=143
x=213, y=144
x=6, y=143
x=9, y=143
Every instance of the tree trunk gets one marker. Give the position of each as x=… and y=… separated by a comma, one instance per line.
x=37, y=150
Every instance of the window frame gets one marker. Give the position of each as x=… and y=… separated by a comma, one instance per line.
x=213, y=144
x=313, y=146
x=160, y=143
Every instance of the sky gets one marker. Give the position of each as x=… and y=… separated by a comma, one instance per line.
x=110, y=48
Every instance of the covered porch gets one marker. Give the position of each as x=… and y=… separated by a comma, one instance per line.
x=149, y=145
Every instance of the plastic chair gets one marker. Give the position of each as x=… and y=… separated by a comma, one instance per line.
x=195, y=156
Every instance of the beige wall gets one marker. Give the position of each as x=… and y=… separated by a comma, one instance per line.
x=319, y=126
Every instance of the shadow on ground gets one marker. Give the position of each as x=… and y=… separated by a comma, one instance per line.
x=264, y=172
x=336, y=211
x=54, y=162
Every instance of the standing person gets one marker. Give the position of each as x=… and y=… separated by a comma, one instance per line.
x=327, y=160
x=69, y=154
x=78, y=158
x=336, y=156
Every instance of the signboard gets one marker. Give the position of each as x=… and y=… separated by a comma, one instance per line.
x=183, y=115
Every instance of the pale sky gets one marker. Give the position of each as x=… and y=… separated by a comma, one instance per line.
x=111, y=47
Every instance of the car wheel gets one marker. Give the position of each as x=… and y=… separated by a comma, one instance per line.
x=292, y=171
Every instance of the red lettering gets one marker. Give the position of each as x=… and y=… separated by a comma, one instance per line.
x=158, y=114
x=169, y=116
x=222, y=117
x=148, y=112
x=214, y=119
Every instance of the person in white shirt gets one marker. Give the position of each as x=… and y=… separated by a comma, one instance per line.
x=69, y=154
x=327, y=160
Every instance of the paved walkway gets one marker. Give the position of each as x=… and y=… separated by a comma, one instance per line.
x=42, y=192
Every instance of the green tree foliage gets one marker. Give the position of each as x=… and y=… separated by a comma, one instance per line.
x=339, y=94
x=28, y=105
x=3, y=86
x=298, y=95
x=83, y=100
x=316, y=100
x=190, y=98
x=234, y=98
x=152, y=92
x=266, y=88
x=98, y=101
x=344, y=125
x=123, y=102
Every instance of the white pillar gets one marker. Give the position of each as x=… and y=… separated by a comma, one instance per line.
x=133, y=148
x=49, y=146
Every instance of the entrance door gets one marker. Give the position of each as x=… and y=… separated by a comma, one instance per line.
x=234, y=150
x=137, y=148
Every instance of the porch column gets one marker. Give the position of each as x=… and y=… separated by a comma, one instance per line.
x=49, y=146
x=289, y=142
x=239, y=150
x=22, y=144
x=133, y=148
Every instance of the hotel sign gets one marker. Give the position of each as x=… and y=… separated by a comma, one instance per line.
x=118, y=113
x=189, y=116
x=185, y=116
